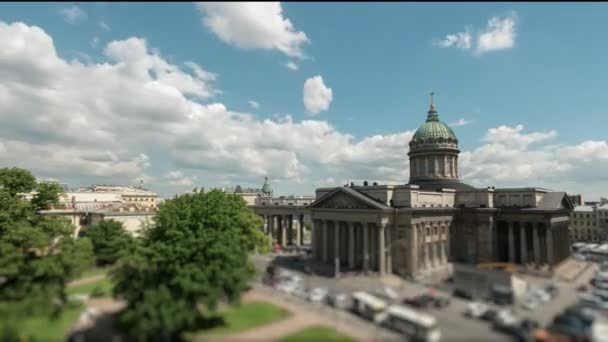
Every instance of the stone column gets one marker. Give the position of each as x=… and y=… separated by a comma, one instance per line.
x=511, y=243
x=336, y=248
x=302, y=230
x=313, y=246
x=524, y=244
x=365, y=227
x=381, y=250
x=271, y=227
x=351, y=245
x=389, y=247
x=284, y=228
x=325, y=242
x=536, y=243
x=425, y=244
x=298, y=230
x=413, y=256
x=549, y=243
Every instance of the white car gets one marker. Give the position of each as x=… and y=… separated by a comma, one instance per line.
x=476, y=309
x=540, y=294
x=530, y=303
x=592, y=301
x=317, y=294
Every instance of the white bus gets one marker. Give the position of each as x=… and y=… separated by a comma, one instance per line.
x=367, y=305
x=416, y=325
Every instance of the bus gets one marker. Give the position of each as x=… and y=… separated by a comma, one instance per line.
x=368, y=306
x=416, y=325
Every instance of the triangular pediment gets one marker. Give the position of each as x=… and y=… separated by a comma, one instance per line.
x=346, y=198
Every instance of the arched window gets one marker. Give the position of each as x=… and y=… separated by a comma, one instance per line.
x=428, y=231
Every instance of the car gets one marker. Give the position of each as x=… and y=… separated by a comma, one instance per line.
x=573, y=333
x=582, y=288
x=338, y=300
x=530, y=303
x=387, y=293
x=587, y=315
x=317, y=294
x=422, y=301
x=441, y=302
x=552, y=290
x=475, y=309
x=592, y=301
x=489, y=315
x=541, y=295
x=529, y=324
x=462, y=294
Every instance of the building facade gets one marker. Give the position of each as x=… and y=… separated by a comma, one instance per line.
x=589, y=222
x=420, y=227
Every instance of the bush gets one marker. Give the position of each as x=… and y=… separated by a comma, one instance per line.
x=97, y=292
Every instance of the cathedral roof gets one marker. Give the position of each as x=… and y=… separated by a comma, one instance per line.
x=433, y=131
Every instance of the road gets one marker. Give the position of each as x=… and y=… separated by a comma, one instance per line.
x=453, y=325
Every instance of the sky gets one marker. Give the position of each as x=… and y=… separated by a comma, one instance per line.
x=185, y=95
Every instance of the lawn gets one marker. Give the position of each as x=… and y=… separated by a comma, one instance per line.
x=245, y=317
x=104, y=284
x=317, y=334
x=47, y=329
x=94, y=272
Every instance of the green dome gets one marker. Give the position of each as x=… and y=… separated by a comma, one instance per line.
x=433, y=131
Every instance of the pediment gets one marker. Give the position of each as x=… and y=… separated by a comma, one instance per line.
x=341, y=199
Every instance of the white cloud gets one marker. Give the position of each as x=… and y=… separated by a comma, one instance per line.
x=179, y=179
x=253, y=25
x=292, y=65
x=461, y=40
x=499, y=34
x=104, y=26
x=73, y=15
x=121, y=119
x=254, y=104
x=95, y=42
x=316, y=95
x=460, y=122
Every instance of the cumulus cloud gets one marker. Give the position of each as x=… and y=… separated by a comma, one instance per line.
x=316, y=95
x=253, y=104
x=461, y=40
x=253, y=25
x=460, y=122
x=292, y=66
x=117, y=120
x=179, y=179
x=499, y=34
x=73, y=15
x=104, y=26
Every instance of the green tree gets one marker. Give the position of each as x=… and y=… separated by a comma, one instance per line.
x=47, y=195
x=38, y=255
x=195, y=254
x=15, y=180
x=110, y=240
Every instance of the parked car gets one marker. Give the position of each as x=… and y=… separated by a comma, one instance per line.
x=475, y=309
x=530, y=303
x=462, y=294
x=489, y=315
x=586, y=314
x=317, y=294
x=582, y=288
x=529, y=324
x=338, y=300
x=421, y=301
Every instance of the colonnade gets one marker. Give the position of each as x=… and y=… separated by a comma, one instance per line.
x=532, y=242
x=352, y=245
x=281, y=229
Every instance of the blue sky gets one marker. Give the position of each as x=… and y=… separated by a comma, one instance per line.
x=542, y=66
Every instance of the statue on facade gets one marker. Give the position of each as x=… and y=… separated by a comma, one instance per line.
x=266, y=189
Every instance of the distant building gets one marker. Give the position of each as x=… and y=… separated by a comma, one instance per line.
x=576, y=199
x=133, y=206
x=589, y=222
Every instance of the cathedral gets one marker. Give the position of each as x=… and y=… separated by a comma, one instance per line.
x=421, y=227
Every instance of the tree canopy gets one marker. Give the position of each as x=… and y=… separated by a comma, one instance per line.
x=110, y=240
x=194, y=255
x=38, y=255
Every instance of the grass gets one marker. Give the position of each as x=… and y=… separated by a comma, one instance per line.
x=244, y=317
x=104, y=284
x=94, y=272
x=48, y=329
x=317, y=334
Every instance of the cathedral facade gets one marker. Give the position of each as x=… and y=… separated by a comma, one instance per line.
x=435, y=219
